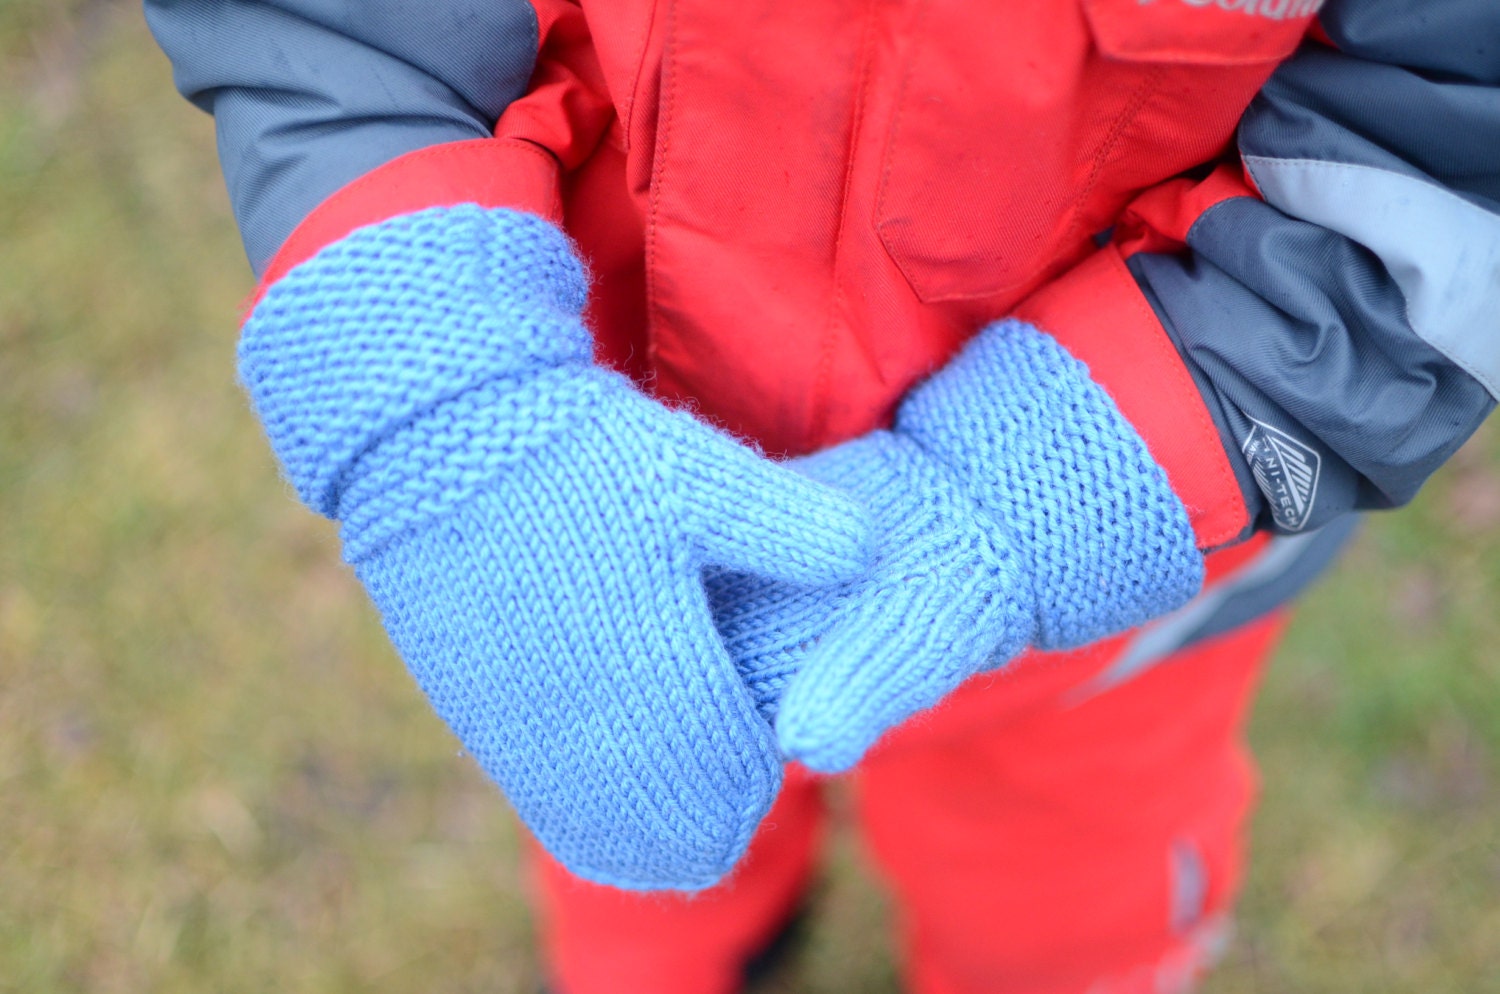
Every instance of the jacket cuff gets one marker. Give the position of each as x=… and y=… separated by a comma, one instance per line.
x=490, y=172
x=1098, y=313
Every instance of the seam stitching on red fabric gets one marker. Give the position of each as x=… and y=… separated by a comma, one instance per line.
x=891, y=142
x=818, y=423
x=658, y=179
x=1106, y=149
x=627, y=120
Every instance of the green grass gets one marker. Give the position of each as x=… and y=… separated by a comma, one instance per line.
x=216, y=775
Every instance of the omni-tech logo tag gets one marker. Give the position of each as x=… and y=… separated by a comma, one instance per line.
x=1286, y=471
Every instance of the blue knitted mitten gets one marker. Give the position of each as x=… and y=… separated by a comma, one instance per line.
x=1015, y=506
x=534, y=532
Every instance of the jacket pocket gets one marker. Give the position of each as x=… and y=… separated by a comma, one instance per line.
x=1020, y=132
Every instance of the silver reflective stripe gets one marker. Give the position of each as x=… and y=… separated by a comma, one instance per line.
x=1181, y=968
x=1442, y=251
x=1189, y=885
x=1166, y=635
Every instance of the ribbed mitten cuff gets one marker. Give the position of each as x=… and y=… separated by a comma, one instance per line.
x=1044, y=449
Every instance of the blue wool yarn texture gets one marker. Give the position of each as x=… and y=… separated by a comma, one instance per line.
x=1014, y=506
x=534, y=532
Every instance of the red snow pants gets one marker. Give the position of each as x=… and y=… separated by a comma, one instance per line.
x=1039, y=835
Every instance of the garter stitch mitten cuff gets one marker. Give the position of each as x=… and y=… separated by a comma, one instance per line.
x=534, y=532
x=1042, y=448
x=1015, y=506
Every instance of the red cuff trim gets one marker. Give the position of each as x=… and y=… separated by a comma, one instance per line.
x=491, y=172
x=1159, y=219
x=1099, y=314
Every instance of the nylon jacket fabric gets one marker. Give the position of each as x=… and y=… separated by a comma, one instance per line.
x=309, y=95
x=1366, y=287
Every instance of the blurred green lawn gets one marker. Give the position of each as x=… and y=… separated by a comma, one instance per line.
x=215, y=775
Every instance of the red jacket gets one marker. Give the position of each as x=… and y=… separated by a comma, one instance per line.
x=793, y=212
x=788, y=232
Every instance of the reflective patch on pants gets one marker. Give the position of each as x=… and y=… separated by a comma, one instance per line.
x=1183, y=966
x=1189, y=876
x=1202, y=939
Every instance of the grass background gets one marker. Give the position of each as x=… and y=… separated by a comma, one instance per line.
x=215, y=775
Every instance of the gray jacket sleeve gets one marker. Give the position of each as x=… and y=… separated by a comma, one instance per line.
x=310, y=94
x=1346, y=330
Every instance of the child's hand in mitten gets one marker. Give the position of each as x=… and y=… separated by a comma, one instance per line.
x=1013, y=506
x=534, y=530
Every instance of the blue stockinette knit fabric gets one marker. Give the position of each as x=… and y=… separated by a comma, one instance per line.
x=1015, y=506
x=941, y=588
x=534, y=532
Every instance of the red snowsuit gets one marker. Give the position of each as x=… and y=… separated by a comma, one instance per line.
x=793, y=213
